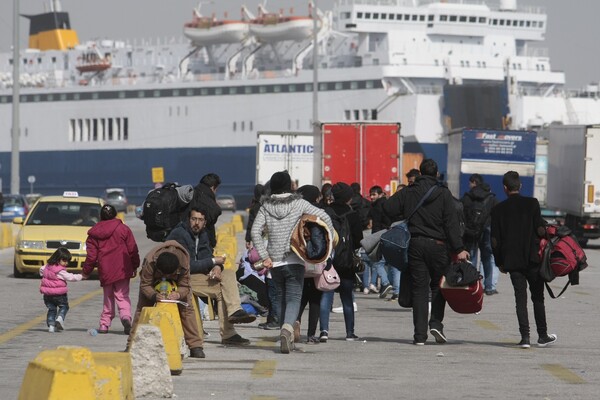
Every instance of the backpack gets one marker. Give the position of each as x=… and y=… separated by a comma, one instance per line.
x=476, y=215
x=161, y=211
x=561, y=255
x=342, y=256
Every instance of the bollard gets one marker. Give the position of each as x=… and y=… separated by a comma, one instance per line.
x=238, y=225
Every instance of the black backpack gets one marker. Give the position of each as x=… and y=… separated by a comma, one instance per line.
x=161, y=211
x=476, y=214
x=342, y=258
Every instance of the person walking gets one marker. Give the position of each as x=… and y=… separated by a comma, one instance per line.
x=54, y=288
x=435, y=231
x=279, y=214
x=517, y=226
x=111, y=248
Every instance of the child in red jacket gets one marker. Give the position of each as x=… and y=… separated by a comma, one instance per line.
x=112, y=248
x=54, y=288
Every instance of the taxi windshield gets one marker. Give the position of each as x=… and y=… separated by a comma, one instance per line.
x=65, y=213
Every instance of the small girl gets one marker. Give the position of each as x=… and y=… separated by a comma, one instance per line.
x=54, y=288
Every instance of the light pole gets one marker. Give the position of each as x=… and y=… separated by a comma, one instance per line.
x=317, y=135
x=14, y=162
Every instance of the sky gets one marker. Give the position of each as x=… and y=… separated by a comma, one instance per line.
x=571, y=35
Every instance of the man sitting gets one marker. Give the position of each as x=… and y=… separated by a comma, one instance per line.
x=209, y=277
x=169, y=260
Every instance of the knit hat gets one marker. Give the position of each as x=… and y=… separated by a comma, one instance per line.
x=342, y=192
x=309, y=193
x=280, y=183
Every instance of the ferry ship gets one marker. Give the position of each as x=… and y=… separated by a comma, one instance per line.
x=104, y=113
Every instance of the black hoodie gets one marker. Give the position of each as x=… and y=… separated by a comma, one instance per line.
x=479, y=193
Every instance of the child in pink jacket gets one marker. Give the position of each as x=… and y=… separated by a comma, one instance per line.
x=54, y=288
x=112, y=248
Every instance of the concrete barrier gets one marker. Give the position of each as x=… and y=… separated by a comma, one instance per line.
x=236, y=220
x=76, y=373
x=7, y=236
x=165, y=316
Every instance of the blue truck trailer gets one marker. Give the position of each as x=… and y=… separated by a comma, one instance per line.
x=490, y=153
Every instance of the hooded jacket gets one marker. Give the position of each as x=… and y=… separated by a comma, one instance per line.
x=198, y=248
x=280, y=213
x=435, y=219
x=112, y=248
x=480, y=193
x=204, y=199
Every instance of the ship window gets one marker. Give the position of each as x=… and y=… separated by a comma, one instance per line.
x=534, y=24
x=233, y=90
x=462, y=63
x=467, y=63
x=407, y=17
x=383, y=16
x=542, y=67
x=243, y=125
x=453, y=18
x=369, y=84
x=374, y=114
x=292, y=88
x=365, y=114
x=95, y=129
x=322, y=87
x=415, y=17
x=494, y=21
x=63, y=96
x=95, y=95
x=399, y=17
x=178, y=111
x=50, y=97
x=462, y=18
x=421, y=18
x=478, y=64
x=338, y=86
x=482, y=20
x=218, y=91
x=367, y=15
x=391, y=16
x=375, y=15
x=346, y=15
x=75, y=96
x=277, y=88
x=501, y=22
x=140, y=93
x=359, y=15
x=356, y=115
x=156, y=93
x=170, y=111
x=234, y=126
x=308, y=87
x=125, y=128
x=515, y=23
x=110, y=129
x=289, y=125
x=472, y=19
x=71, y=129
x=353, y=85
x=437, y=62
x=121, y=95
x=203, y=92
x=262, y=89
x=251, y=123
x=521, y=23
x=248, y=89
x=540, y=24
x=484, y=64
x=39, y=60
x=36, y=98
x=347, y=115
x=54, y=60
x=430, y=17
x=443, y=18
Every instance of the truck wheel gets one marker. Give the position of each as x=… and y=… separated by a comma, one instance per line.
x=17, y=273
x=583, y=242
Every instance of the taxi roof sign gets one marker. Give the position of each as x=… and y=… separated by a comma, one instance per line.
x=70, y=194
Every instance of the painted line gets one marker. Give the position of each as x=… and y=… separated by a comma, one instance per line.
x=563, y=373
x=20, y=329
x=264, y=369
x=263, y=398
x=487, y=325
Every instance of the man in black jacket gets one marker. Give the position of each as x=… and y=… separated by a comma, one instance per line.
x=204, y=198
x=209, y=278
x=434, y=232
x=517, y=226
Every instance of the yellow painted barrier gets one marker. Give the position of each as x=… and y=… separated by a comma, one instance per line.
x=237, y=222
x=121, y=216
x=7, y=238
x=76, y=373
x=165, y=316
x=228, y=228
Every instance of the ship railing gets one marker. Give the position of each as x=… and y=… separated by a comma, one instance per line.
x=410, y=3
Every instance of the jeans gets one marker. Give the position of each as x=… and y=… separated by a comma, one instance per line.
x=346, y=290
x=394, y=278
x=57, y=306
x=489, y=271
x=428, y=260
x=288, y=280
x=519, y=280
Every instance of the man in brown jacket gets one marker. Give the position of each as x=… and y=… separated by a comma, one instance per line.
x=170, y=260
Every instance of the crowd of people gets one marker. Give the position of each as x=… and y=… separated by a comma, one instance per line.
x=271, y=277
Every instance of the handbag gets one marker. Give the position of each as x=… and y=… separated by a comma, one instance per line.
x=405, y=295
x=314, y=270
x=328, y=280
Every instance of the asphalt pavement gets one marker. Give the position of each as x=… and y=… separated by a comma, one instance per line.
x=480, y=360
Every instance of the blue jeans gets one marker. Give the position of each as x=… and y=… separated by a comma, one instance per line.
x=370, y=274
x=288, y=280
x=394, y=278
x=490, y=270
x=271, y=294
x=57, y=306
x=346, y=290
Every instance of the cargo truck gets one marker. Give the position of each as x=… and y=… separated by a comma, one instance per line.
x=573, y=181
x=364, y=152
x=490, y=153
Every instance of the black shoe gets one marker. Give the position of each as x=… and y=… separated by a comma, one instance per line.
x=235, y=340
x=351, y=337
x=524, y=343
x=491, y=292
x=384, y=291
x=197, y=352
x=241, y=317
x=272, y=326
x=323, y=337
x=394, y=297
x=548, y=339
x=438, y=334
x=126, y=326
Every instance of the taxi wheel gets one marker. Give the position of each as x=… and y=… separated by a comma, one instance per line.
x=16, y=272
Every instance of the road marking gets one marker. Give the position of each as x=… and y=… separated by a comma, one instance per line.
x=487, y=325
x=563, y=373
x=263, y=398
x=263, y=369
x=20, y=329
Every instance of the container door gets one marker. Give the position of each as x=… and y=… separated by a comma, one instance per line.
x=591, y=196
x=341, y=153
x=380, y=157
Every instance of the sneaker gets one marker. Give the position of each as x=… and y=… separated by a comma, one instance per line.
x=271, y=326
x=394, y=297
x=312, y=340
x=337, y=310
x=286, y=338
x=235, y=340
x=126, y=326
x=384, y=291
x=491, y=292
x=355, y=307
x=103, y=329
x=545, y=341
x=60, y=323
x=241, y=317
x=524, y=343
x=351, y=337
x=197, y=352
x=324, y=336
x=366, y=290
x=438, y=334
x=418, y=343
x=51, y=328
x=373, y=288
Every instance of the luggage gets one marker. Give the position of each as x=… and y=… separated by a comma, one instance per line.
x=463, y=299
x=161, y=211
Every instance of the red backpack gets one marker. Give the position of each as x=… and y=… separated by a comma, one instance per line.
x=561, y=255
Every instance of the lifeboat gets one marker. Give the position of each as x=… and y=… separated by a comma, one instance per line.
x=92, y=61
x=271, y=27
x=205, y=31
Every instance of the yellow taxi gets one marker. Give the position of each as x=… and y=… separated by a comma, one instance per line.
x=53, y=222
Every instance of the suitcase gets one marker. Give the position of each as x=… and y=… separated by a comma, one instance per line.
x=463, y=299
